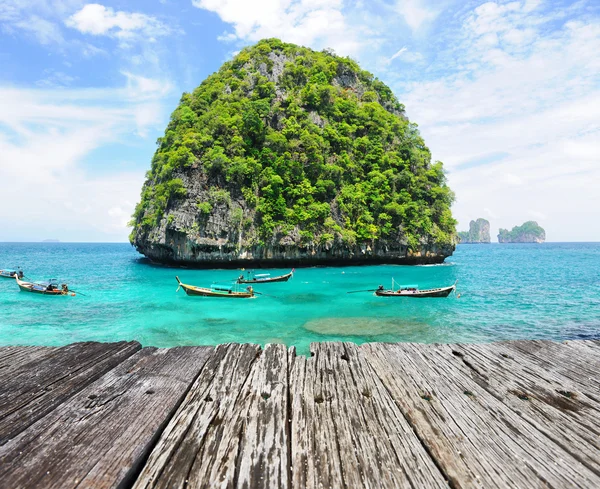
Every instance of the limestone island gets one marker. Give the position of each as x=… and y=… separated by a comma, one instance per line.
x=529, y=232
x=289, y=156
x=479, y=232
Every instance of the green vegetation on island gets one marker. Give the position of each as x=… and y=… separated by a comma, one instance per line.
x=285, y=146
x=479, y=232
x=529, y=232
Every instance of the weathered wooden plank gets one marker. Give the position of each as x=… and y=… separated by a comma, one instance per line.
x=341, y=412
x=199, y=446
x=590, y=350
x=315, y=456
x=262, y=456
x=34, y=391
x=524, y=371
x=556, y=409
x=13, y=358
x=100, y=437
x=579, y=367
x=477, y=440
x=593, y=345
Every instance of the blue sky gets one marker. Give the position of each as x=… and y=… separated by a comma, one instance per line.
x=506, y=94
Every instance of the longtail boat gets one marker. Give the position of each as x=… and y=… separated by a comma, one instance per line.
x=215, y=291
x=415, y=292
x=46, y=288
x=11, y=273
x=263, y=278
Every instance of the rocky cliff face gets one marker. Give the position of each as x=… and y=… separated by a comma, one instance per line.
x=529, y=232
x=289, y=157
x=479, y=232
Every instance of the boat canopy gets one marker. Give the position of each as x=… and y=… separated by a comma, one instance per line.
x=46, y=283
x=221, y=287
x=262, y=275
x=408, y=286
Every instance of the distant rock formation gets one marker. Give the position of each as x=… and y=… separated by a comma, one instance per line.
x=479, y=232
x=529, y=232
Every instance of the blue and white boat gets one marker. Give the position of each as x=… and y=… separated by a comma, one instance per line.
x=11, y=273
x=263, y=278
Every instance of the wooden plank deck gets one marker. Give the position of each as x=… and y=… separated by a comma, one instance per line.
x=519, y=414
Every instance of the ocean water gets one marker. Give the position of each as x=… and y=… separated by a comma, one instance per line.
x=512, y=291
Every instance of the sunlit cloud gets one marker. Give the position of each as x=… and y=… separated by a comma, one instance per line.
x=521, y=83
x=312, y=23
x=51, y=133
x=98, y=20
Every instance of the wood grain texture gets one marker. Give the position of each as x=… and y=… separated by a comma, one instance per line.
x=100, y=437
x=549, y=402
x=13, y=358
x=580, y=367
x=32, y=392
x=476, y=439
x=199, y=446
x=262, y=457
x=522, y=414
x=346, y=430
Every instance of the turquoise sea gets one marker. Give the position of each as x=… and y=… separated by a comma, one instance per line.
x=511, y=291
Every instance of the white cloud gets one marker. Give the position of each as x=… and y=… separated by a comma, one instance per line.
x=415, y=13
x=227, y=37
x=397, y=54
x=96, y=19
x=40, y=19
x=46, y=32
x=47, y=137
x=54, y=78
x=318, y=23
x=405, y=55
x=490, y=213
x=537, y=214
x=534, y=98
x=511, y=179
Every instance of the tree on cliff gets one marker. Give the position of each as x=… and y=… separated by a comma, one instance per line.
x=285, y=146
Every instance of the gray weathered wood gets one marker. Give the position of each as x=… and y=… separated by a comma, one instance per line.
x=477, y=440
x=513, y=414
x=262, y=456
x=593, y=345
x=554, y=407
x=199, y=447
x=581, y=368
x=346, y=429
x=13, y=358
x=500, y=366
x=315, y=457
x=100, y=437
x=34, y=391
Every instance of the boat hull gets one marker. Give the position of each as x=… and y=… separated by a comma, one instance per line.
x=27, y=287
x=419, y=294
x=192, y=290
x=281, y=278
x=31, y=287
x=8, y=274
x=201, y=292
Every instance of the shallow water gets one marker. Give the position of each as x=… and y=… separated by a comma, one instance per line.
x=512, y=291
